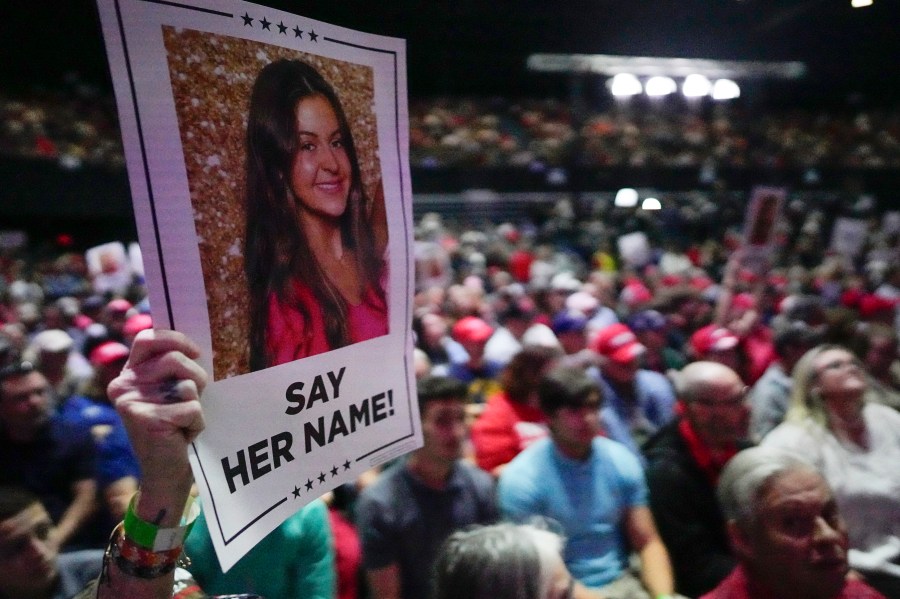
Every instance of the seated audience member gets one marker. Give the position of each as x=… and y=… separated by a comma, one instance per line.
x=30, y=564
x=786, y=530
x=876, y=345
x=855, y=444
x=477, y=372
x=51, y=351
x=651, y=329
x=770, y=395
x=569, y=327
x=405, y=515
x=593, y=487
x=502, y=561
x=518, y=328
x=637, y=402
x=294, y=560
x=513, y=419
x=714, y=343
x=684, y=460
x=117, y=469
x=52, y=458
x=432, y=338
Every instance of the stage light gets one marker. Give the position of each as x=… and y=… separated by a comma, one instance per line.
x=626, y=198
x=625, y=84
x=651, y=204
x=660, y=86
x=725, y=89
x=695, y=86
x=860, y=3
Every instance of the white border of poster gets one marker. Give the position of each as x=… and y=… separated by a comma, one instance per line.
x=282, y=436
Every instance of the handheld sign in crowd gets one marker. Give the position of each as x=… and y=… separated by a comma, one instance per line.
x=267, y=157
x=760, y=225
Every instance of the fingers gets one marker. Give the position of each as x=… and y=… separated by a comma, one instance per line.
x=155, y=421
x=160, y=373
x=153, y=342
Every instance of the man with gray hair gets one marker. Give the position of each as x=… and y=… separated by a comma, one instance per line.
x=786, y=532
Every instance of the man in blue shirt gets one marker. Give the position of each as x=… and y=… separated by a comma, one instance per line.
x=593, y=487
x=637, y=402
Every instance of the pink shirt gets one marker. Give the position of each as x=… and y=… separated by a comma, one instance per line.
x=291, y=336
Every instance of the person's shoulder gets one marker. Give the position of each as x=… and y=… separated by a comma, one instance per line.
x=385, y=487
x=529, y=459
x=617, y=454
x=665, y=446
x=794, y=435
x=878, y=412
x=654, y=380
x=467, y=470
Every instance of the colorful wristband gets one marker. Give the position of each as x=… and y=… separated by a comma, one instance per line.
x=154, y=538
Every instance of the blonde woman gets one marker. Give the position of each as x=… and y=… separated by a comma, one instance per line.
x=856, y=446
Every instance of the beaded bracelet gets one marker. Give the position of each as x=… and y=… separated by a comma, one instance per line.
x=133, y=560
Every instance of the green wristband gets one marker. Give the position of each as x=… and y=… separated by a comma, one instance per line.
x=151, y=536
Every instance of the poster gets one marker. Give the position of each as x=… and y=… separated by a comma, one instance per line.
x=848, y=237
x=760, y=224
x=267, y=158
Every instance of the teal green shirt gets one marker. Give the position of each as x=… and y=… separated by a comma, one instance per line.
x=295, y=560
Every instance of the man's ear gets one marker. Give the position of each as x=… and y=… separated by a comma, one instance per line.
x=740, y=544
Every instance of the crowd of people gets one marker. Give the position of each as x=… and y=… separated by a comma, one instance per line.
x=498, y=133
x=76, y=124
x=565, y=383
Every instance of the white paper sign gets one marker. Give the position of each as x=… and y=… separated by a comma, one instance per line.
x=848, y=236
x=267, y=157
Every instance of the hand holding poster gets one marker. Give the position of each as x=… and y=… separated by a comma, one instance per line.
x=266, y=156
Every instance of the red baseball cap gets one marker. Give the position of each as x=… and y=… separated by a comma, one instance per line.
x=137, y=323
x=871, y=305
x=107, y=353
x=713, y=338
x=472, y=329
x=618, y=343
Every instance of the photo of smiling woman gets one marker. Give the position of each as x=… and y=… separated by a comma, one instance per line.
x=314, y=239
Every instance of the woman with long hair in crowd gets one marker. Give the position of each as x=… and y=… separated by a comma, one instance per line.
x=314, y=252
x=855, y=444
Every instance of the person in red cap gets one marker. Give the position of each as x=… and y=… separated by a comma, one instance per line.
x=480, y=374
x=113, y=317
x=134, y=325
x=637, y=402
x=714, y=343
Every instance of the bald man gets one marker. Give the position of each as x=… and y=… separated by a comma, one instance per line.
x=684, y=460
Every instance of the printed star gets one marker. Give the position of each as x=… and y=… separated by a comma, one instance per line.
x=296, y=492
x=321, y=477
x=309, y=484
x=347, y=465
x=313, y=37
x=334, y=471
x=298, y=32
x=265, y=24
x=248, y=20
x=282, y=28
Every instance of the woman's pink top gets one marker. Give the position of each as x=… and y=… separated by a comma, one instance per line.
x=290, y=336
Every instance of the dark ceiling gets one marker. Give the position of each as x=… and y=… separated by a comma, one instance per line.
x=480, y=46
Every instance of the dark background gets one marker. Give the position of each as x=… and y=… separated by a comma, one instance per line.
x=479, y=46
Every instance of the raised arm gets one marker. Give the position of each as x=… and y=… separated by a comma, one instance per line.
x=157, y=394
